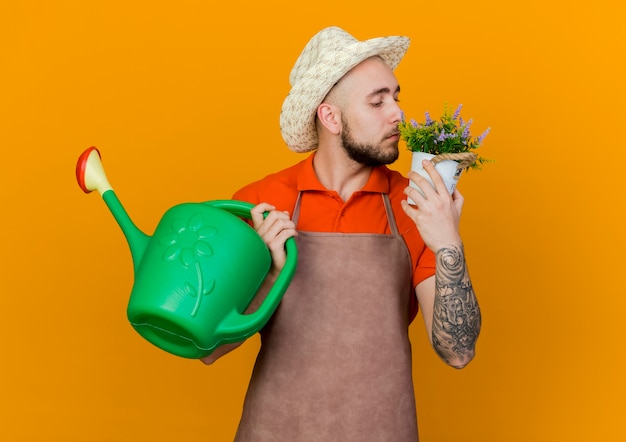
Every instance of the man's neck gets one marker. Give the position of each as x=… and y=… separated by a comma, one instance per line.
x=340, y=173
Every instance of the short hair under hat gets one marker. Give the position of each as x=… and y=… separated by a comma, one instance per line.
x=327, y=57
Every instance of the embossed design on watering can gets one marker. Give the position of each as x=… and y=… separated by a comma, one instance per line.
x=187, y=243
x=197, y=274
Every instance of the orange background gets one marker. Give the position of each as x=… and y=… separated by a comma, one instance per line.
x=183, y=99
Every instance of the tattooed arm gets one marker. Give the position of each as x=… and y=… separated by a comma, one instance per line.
x=450, y=309
x=447, y=300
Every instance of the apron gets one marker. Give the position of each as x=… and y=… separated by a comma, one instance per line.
x=335, y=358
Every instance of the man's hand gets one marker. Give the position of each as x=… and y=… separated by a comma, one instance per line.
x=439, y=212
x=274, y=229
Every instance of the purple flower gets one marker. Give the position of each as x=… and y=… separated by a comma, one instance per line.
x=457, y=112
x=466, y=129
x=482, y=136
x=414, y=123
x=465, y=133
x=442, y=136
x=402, y=116
x=428, y=119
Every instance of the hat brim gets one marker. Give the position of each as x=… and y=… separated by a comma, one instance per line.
x=297, y=117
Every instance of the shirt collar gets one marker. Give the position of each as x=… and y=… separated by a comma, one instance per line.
x=378, y=181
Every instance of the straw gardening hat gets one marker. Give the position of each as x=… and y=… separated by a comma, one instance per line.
x=327, y=57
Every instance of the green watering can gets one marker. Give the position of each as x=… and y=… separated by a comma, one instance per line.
x=197, y=274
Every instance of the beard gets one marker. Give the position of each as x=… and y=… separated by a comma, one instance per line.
x=369, y=155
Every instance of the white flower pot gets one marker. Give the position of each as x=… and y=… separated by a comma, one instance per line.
x=448, y=169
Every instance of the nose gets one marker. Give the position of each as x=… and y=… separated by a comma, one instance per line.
x=396, y=113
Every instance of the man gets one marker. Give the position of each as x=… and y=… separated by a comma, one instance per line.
x=335, y=359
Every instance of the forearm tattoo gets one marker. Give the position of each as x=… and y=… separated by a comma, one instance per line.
x=456, y=318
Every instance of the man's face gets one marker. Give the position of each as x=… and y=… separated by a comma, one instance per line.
x=368, y=154
x=371, y=114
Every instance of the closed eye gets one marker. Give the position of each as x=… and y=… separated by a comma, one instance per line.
x=381, y=102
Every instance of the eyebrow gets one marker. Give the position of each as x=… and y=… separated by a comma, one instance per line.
x=383, y=90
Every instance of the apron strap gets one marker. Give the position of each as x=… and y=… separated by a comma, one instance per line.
x=391, y=219
x=296, y=210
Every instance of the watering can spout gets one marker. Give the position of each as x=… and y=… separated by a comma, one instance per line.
x=91, y=176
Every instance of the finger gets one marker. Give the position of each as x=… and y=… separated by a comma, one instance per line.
x=422, y=183
x=258, y=213
x=457, y=195
x=277, y=248
x=415, y=195
x=429, y=167
x=278, y=243
x=274, y=224
x=458, y=200
x=408, y=209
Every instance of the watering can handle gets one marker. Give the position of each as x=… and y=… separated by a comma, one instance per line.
x=241, y=324
x=239, y=208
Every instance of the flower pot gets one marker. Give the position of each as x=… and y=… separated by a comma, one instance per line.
x=448, y=169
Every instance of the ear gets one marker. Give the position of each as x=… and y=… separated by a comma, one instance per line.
x=329, y=116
